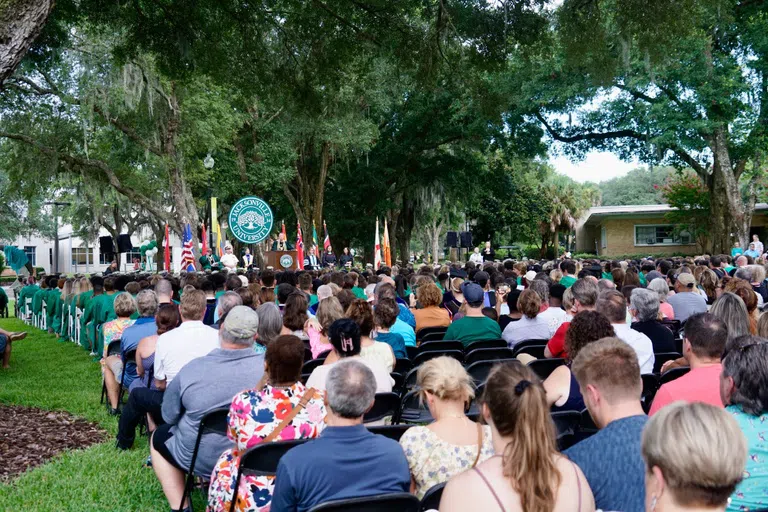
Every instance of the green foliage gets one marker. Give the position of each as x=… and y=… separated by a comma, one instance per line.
x=639, y=186
x=688, y=195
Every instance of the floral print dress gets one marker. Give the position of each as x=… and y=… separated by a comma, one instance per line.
x=252, y=417
x=433, y=461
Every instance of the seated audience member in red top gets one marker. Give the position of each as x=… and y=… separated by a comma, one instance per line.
x=704, y=343
x=584, y=293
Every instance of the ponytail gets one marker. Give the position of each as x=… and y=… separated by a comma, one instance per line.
x=517, y=402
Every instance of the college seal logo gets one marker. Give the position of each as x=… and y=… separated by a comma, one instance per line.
x=286, y=261
x=250, y=220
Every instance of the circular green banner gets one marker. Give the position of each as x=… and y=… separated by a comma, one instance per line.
x=251, y=220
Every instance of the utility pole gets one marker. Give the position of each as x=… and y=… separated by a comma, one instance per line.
x=55, y=205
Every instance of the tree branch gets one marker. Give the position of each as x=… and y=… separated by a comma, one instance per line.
x=99, y=165
x=128, y=131
x=346, y=22
x=617, y=134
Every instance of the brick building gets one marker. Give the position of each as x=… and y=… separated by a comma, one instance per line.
x=641, y=229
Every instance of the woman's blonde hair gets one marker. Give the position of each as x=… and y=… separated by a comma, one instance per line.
x=762, y=325
x=445, y=378
x=328, y=311
x=699, y=449
x=518, y=408
x=568, y=299
x=125, y=305
x=556, y=275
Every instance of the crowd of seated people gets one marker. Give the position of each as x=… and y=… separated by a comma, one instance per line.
x=203, y=341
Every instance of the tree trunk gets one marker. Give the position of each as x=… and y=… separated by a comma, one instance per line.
x=20, y=23
x=405, y=232
x=306, y=192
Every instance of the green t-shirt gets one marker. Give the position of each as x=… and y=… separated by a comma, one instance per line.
x=608, y=276
x=567, y=281
x=313, y=300
x=359, y=293
x=473, y=328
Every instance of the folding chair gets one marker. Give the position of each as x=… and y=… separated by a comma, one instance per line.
x=112, y=350
x=261, y=460
x=535, y=350
x=399, y=385
x=439, y=345
x=475, y=345
x=44, y=317
x=307, y=354
x=402, y=502
x=544, y=367
x=473, y=410
x=487, y=354
x=402, y=365
x=310, y=366
x=128, y=356
x=479, y=370
x=413, y=411
x=674, y=373
x=214, y=422
x=410, y=379
x=411, y=352
x=323, y=355
x=430, y=334
x=663, y=357
x=566, y=424
x=394, y=432
x=650, y=386
x=28, y=310
x=384, y=404
x=423, y=357
x=431, y=500
x=587, y=425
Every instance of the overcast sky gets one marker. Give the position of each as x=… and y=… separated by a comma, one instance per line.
x=597, y=167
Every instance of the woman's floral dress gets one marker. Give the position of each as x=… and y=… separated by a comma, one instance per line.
x=252, y=417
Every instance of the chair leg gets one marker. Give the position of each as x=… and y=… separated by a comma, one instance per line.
x=103, y=390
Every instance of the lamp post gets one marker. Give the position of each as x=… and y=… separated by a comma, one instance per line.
x=55, y=204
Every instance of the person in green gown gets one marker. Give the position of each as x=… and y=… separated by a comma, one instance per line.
x=87, y=325
x=53, y=305
x=209, y=260
x=17, y=259
x=27, y=292
x=66, y=302
x=37, y=298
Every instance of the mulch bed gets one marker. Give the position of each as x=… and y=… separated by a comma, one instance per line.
x=30, y=437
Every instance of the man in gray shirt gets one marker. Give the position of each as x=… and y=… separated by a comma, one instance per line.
x=201, y=386
x=686, y=301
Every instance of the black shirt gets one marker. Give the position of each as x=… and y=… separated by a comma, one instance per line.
x=662, y=338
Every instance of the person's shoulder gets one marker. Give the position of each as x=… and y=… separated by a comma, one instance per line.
x=413, y=436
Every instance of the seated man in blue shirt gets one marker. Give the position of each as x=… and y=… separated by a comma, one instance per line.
x=608, y=374
x=347, y=460
x=143, y=327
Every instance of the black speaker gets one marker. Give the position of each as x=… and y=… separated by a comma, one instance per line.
x=452, y=239
x=124, y=243
x=106, y=245
x=466, y=239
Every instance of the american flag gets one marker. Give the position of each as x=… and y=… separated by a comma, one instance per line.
x=187, y=255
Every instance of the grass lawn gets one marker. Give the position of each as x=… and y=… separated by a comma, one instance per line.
x=55, y=375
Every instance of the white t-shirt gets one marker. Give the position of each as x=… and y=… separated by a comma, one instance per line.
x=526, y=329
x=179, y=346
x=384, y=382
x=229, y=260
x=476, y=258
x=554, y=317
x=640, y=342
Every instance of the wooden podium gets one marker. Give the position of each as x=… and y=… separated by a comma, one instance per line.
x=278, y=260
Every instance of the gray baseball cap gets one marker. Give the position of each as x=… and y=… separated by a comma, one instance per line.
x=241, y=322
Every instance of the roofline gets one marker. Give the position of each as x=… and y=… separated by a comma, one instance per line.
x=641, y=209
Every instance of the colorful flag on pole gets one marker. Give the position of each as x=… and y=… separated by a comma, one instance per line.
x=187, y=253
x=314, y=234
x=282, y=230
x=299, y=246
x=167, y=248
x=218, y=247
x=377, y=249
x=327, y=239
x=205, y=240
x=387, y=251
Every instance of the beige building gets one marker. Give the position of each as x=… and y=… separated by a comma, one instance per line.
x=641, y=229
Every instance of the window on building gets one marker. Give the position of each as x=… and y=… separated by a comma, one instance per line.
x=603, y=238
x=31, y=252
x=82, y=256
x=106, y=258
x=660, y=235
x=127, y=260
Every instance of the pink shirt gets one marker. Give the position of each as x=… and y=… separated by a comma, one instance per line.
x=698, y=385
x=667, y=311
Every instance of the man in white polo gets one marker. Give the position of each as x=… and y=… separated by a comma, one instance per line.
x=614, y=306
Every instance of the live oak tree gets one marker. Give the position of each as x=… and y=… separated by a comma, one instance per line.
x=683, y=83
x=21, y=22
